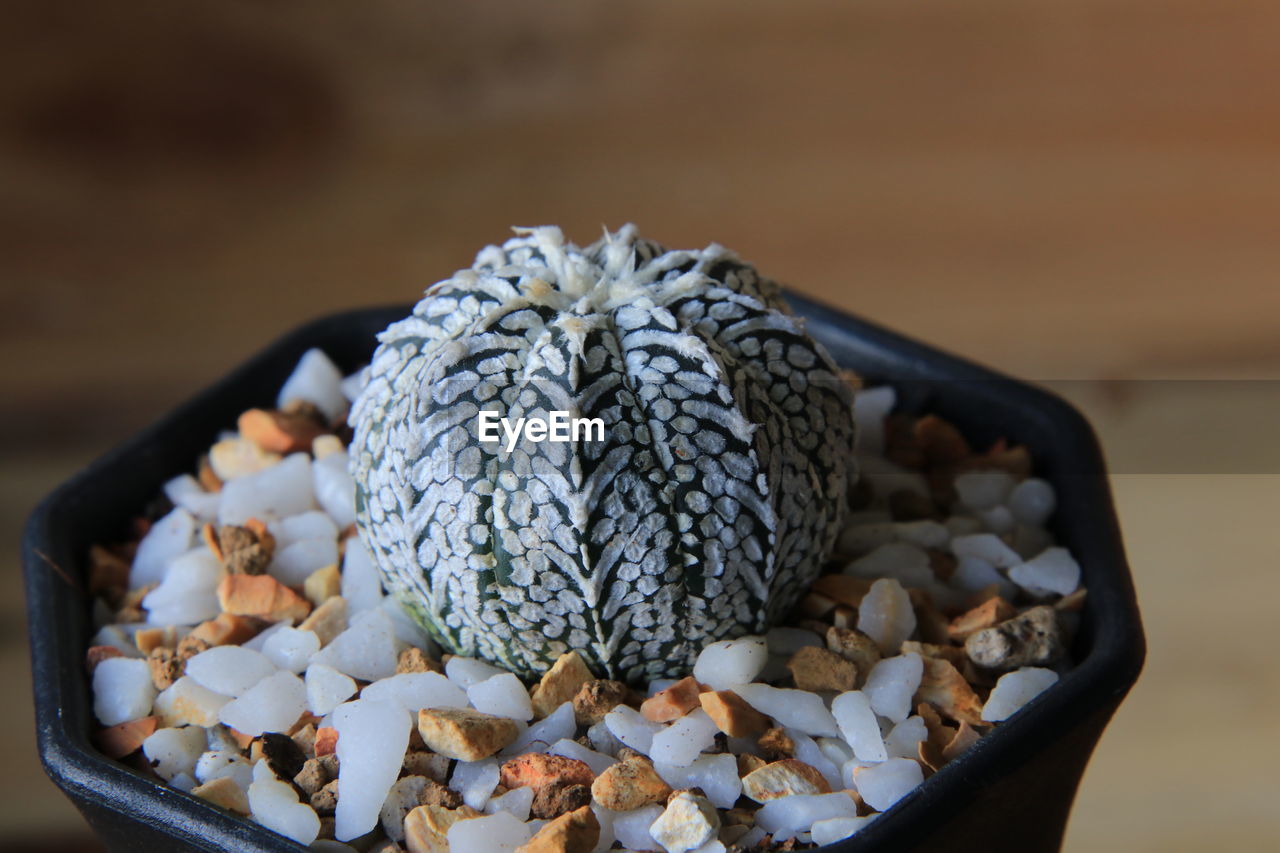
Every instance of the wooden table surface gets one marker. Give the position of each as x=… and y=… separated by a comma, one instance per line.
x=1085, y=191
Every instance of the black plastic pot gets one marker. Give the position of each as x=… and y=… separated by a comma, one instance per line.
x=1011, y=791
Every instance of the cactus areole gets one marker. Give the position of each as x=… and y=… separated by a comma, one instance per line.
x=700, y=512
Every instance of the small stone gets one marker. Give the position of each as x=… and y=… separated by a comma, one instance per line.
x=939, y=441
x=225, y=629
x=280, y=432
x=239, y=457
x=1015, y=689
x=943, y=687
x=1032, y=637
x=748, y=763
x=149, y=639
x=429, y=764
x=672, y=703
x=783, y=779
x=246, y=549
x=328, y=620
x=261, y=596
x=560, y=684
x=316, y=773
x=435, y=793
x=577, y=831
x=97, y=654
x=124, y=738
x=881, y=785
x=465, y=734
x=964, y=737
x=413, y=659
x=728, y=663
x=819, y=669
x=325, y=800
x=165, y=666
x=326, y=445
x=326, y=741
x=891, y=685
x=688, y=822
x=629, y=785
x=732, y=715
x=1053, y=571
x=776, y=745
x=426, y=828
x=886, y=615
x=554, y=800
x=843, y=589
x=538, y=770
x=991, y=612
x=322, y=584
x=225, y=793
x=854, y=646
x=188, y=703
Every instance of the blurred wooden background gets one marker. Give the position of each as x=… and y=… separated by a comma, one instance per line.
x=1081, y=190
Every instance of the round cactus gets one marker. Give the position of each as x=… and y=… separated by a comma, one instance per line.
x=704, y=510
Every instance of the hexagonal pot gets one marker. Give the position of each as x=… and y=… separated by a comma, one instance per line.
x=1010, y=791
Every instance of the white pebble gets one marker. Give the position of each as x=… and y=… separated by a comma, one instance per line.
x=886, y=616
x=904, y=740
x=923, y=533
x=372, y=739
x=291, y=648
x=401, y=799
x=334, y=488
x=327, y=689
x=1015, y=689
x=120, y=638
x=858, y=725
x=229, y=670
x=274, y=704
x=305, y=525
x=727, y=663
x=603, y=740
x=1053, y=571
x=682, y=741
x=973, y=574
x=786, y=817
x=186, y=492
x=317, y=381
x=870, y=407
x=597, y=761
x=219, y=763
x=188, y=594
x=632, y=828
x=808, y=751
x=167, y=538
x=788, y=641
x=716, y=775
x=465, y=672
x=476, y=781
x=881, y=785
x=797, y=709
x=187, y=703
x=836, y=750
x=980, y=490
x=987, y=547
x=906, y=563
x=367, y=650
x=835, y=829
x=122, y=690
x=282, y=490
x=628, y=726
x=274, y=804
x=295, y=562
x=503, y=696
x=892, y=683
x=997, y=520
x=173, y=751
x=515, y=802
x=499, y=833
x=1032, y=501
x=557, y=725
x=414, y=691
x=259, y=641
x=361, y=583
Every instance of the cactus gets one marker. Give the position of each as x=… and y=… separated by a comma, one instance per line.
x=706, y=508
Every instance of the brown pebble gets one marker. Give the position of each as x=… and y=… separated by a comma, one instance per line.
x=325, y=800
x=426, y=828
x=224, y=792
x=629, y=785
x=597, y=698
x=437, y=794
x=414, y=659
x=280, y=432
x=673, y=702
x=316, y=773
x=943, y=687
x=226, y=629
x=843, y=589
x=429, y=764
x=776, y=745
x=97, y=654
x=261, y=596
x=854, y=646
x=322, y=584
x=465, y=734
x=577, y=831
x=125, y=738
x=166, y=667
x=1032, y=638
x=732, y=715
x=539, y=769
x=940, y=441
x=991, y=612
x=247, y=550
x=560, y=684
x=783, y=779
x=326, y=740
x=552, y=801
x=817, y=669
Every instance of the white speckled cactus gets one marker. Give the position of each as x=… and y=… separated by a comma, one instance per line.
x=707, y=508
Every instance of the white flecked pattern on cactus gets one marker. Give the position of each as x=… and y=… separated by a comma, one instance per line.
x=709, y=506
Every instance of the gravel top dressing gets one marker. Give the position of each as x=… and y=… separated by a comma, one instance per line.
x=804, y=666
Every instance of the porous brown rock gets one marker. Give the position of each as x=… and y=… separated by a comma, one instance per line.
x=1032, y=638
x=816, y=669
x=465, y=734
